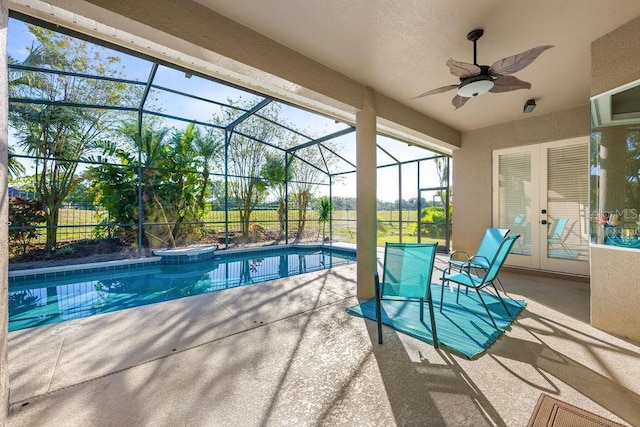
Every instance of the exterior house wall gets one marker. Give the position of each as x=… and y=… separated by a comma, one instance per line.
x=472, y=165
x=615, y=290
x=615, y=272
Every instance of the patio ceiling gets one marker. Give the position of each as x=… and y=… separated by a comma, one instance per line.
x=400, y=49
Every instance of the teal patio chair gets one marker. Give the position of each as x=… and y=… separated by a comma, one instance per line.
x=465, y=278
x=406, y=276
x=485, y=253
x=559, y=234
x=487, y=250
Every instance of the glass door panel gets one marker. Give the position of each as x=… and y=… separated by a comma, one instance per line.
x=516, y=201
x=567, y=204
x=542, y=193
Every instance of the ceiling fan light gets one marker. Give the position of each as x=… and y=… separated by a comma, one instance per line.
x=475, y=87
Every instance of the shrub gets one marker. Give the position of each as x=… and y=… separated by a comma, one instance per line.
x=432, y=222
x=23, y=215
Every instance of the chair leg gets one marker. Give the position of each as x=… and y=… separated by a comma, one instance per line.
x=501, y=300
x=378, y=309
x=500, y=284
x=486, y=308
x=434, y=333
x=441, y=294
x=421, y=309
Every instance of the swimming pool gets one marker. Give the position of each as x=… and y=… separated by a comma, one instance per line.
x=56, y=298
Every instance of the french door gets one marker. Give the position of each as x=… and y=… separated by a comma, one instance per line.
x=542, y=193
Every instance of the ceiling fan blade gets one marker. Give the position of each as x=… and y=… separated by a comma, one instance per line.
x=438, y=90
x=458, y=101
x=462, y=69
x=508, y=83
x=511, y=64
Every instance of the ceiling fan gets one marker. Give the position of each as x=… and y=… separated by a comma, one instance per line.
x=478, y=79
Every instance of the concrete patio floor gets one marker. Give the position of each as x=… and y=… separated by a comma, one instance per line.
x=287, y=353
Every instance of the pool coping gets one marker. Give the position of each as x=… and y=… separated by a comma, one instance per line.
x=71, y=269
x=17, y=276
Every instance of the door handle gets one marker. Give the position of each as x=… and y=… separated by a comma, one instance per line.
x=543, y=222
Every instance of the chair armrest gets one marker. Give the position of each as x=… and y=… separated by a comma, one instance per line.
x=459, y=264
x=458, y=258
x=481, y=261
x=455, y=254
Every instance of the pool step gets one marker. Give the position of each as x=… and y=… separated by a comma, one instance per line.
x=186, y=255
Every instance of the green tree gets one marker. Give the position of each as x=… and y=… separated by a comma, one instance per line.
x=14, y=167
x=80, y=197
x=633, y=168
x=324, y=213
x=175, y=173
x=442, y=170
x=209, y=150
x=115, y=186
x=433, y=222
x=57, y=132
x=247, y=153
x=115, y=190
x=275, y=175
x=181, y=190
x=307, y=179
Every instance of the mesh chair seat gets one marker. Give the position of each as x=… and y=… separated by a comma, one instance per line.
x=406, y=275
x=465, y=278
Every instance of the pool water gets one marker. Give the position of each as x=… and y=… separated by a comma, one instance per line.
x=46, y=301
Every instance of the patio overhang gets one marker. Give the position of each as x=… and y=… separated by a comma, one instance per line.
x=206, y=42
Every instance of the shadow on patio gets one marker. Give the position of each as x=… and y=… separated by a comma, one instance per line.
x=287, y=353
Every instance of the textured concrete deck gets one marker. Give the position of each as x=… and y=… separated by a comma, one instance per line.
x=287, y=353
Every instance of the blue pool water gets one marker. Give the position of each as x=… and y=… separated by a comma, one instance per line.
x=45, y=301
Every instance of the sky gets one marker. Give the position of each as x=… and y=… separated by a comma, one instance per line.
x=314, y=125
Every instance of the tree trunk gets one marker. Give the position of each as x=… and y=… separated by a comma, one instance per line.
x=303, y=202
x=282, y=217
x=52, y=229
x=245, y=214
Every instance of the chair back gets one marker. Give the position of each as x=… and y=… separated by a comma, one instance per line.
x=406, y=263
x=500, y=258
x=489, y=245
x=558, y=229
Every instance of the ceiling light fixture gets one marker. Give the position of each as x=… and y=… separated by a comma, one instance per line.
x=529, y=106
x=475, y=86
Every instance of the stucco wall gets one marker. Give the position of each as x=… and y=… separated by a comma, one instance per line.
x=614, y=58
x=472, y=165
x=615, y=291
x=615, y=273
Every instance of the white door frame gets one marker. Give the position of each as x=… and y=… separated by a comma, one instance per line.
x=538, y=257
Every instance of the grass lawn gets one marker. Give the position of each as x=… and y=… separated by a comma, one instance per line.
x=77, y=224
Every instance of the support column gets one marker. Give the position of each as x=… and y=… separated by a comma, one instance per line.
x=4, y=229
x=366, y=193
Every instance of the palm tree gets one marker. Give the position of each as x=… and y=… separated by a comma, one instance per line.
x=154, y=149
x=182, y=162
x=209, y=148
x=14, y=167
x=324, y=213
